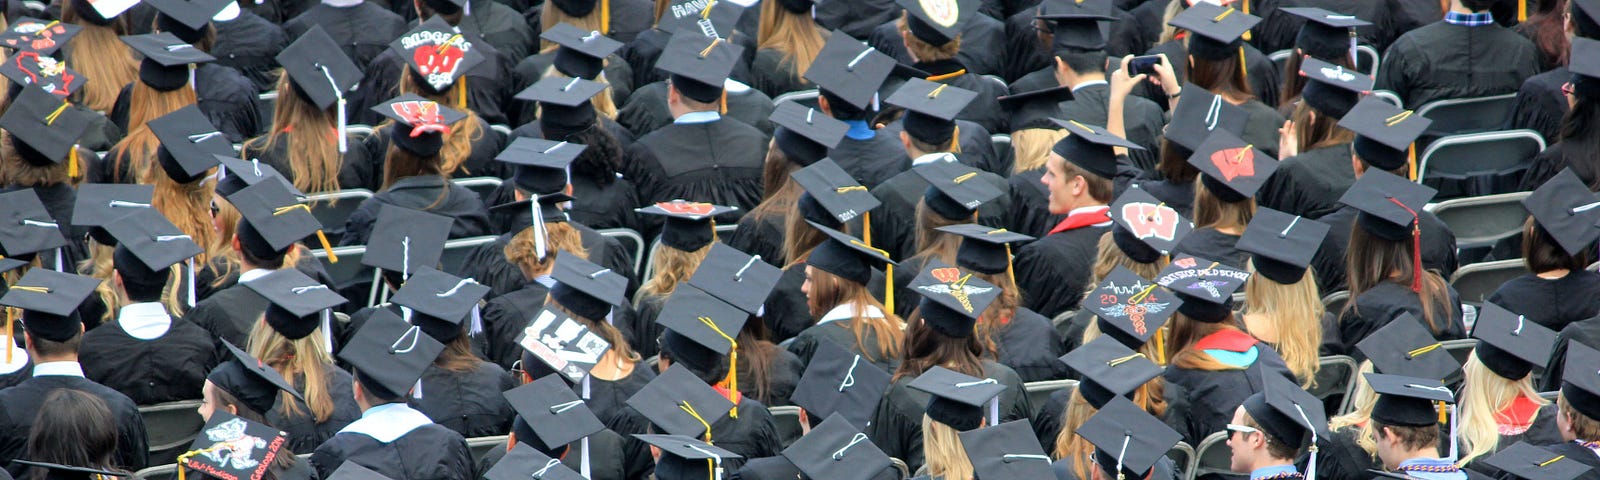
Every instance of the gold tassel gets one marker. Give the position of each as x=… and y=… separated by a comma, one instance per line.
x=1411, y=155
x=866, y=228
x=1246, y=4
x=947, y=76
x=1161, y=348
x=327, y=247
x=888, y=289
x=1244, y=72
x=461, y=93
x=731, y=381
x=1522, y=11
x=605, y=17
x=186, y=455
x=955, y=140
x=1444, y=412
x=1009, y=273
x=10, y=340
x=722, y=107
x=72, y=162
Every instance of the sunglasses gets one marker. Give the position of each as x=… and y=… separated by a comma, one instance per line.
x=1242, y=429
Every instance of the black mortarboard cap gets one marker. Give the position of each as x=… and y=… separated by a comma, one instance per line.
x=1281, y=245
x=1585, y=66
x=296, y=299
x=952, y=299
x=354, y=471
x=1287, y=412
x=678, y=403
x=1586, y=18
x=524, y=461
x=1384, y=132
x=556, y=414
x=931, y=108
x=1580, y=382
x=700, y=329
x=581, y=54
x=192, y=15
x=849, y=69
x=319, y=68
x=1527, y=462
x=68, y=468
x=42, y=37
x=563, y=343
x=829, y=186
x=1407, y=401
x=1035, y=109
x=1090, y=148
x=219, y=442
x=836, y=449
x=167, y=59
x=1146, y=228
x=564, y=104
x=805, y=134
x=406, y=241
x=732, y=276
x=189, y=144
x=1404, y=347
x=441, y=301
x=954, y=189
x=684, y=458
x=1125, y=435
x=586, y=289
x=983, y=249
x=27, y=225
x=235, y=174
x=841, y=382
x=1134, y=308
x=1332, y=89
x=47, y=126
x=99, y=204
x=420, y=124
x=388, y=355
x=1231, y=168
x=437, y=53
x=1214, y=29
x=1205, y=286
x=1389, y=204
x=1007, y=450
x=1076, y=25
x=956, y=399
x=154, y=241
x=541, y=165
x=31, y=68
x=250, y=380
x=1564, y=207
x=49, y=301
x=700, y=17
x=689, y=225
x=1107, y=369
x=1074, y=10
x=846, y=256
x=938, y=22
x=699, y=64
x=1326, y=35
x=1510, y=344
x=1201, y=112
x=275, y=218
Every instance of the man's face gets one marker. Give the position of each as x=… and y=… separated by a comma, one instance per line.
x=1063, y=191
x=1243, y=456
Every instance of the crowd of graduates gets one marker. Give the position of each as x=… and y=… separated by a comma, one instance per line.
x=895, y=218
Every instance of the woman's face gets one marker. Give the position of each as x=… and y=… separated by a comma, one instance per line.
x=807, y=288
x=208, y=401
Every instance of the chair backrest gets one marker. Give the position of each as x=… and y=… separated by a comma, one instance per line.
x=1477, y=281
x=1001, y=82
x=1390, y=97
x=359, y=131
x=787, y=419
x=631, y=240
x=1214, y=456
x=1467, y=115
x=480, y=446
x=483, y=186
x=1039, y=392
x=1367, y=60
x=349, y=270
x=456, y=251
x=905, y=470
x=1280, y=58
x=332, y=209
x=1336, y=378
x=1452, y=164
x=504, y=131
x=1183, y=458
x=804, y=97
x=171, y=427
x=1002, y=148
x=159, y=472
x=1485, y=219
x=1335, y=301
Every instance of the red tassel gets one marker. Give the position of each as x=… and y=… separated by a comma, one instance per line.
x=1416, y=246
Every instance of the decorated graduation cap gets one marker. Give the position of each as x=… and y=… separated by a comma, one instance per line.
x=437, y=53
x=1580, y=381
x=321, y=73
x=28, y=227
x=689, y=226
x=44, y=128
x=406, y=241
x=805, y=134
x=1231, y=168
x=1585, y=66
x=235, y=174
x=832, y=196
x=1216, y=31
x=1332, y=89
x=700, y=17
x=1091, y=148
x=1281, y=245
x=217, y=451
x=1128, y=440
x=1109, y=369
x=1035, y=109
x=931, y=108
x=1289, y=414
x=296, y=301
x=189, y=144
x=586, y=289
x=388, y=355
x=553, y=414
x=1386, y=135
x=1510, y=344
x=1145, y=228
x=1199, y=113
x=952, y=300
x=40, y=37
x=740, y=279
x=1326, y=36
x=837, y=449
x=852, y=259
x=168, y=61
x=1007, y=450
x=147, y=247
x=848, y=69
x=1389, y=207
x=684, y=458
x=1404, y=347
x=564, y=344
x=938, y=22
x=248, y=379
x=49, y=302
x=957, y=399
x=1409, y=401
x=272, y=219
x=186, y=19
x=954, y=189
x=983, y=249
x=1130, y=308
x=1075, y=25
x=581, y=54
x=678, y=403
x=50, y=74
x=564, y=105
x=841, y=382
x=419, y=124
x=523, y=461
x=99, y=204
x=439, y=302
x=699, y=64
x=1565, y=209
x=1205, y=286
x=1527, y=462
x=700, y=330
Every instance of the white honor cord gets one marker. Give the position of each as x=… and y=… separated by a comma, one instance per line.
x=716, y=459
x=189, y=262
x=339, y=95
x=327, y=331
x=416, y=391
x=583, y=466
x=1311, y=464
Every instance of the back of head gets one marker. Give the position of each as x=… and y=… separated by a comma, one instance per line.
x=74, y=428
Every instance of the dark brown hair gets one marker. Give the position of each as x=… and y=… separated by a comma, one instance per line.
x=457, y=355
x=1222, y=77
x=1373, y=260
x=73, y=428
x=1411, y=438
x=1174, y=163
x=285, y=458
x=1100, y=188
x=1313, y=129
x=1541, y=253
x=926, y=348
x=1293, y=83
x=1275, y=446
x=756, y=355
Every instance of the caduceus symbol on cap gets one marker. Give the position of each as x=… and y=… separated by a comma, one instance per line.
x=955, y=285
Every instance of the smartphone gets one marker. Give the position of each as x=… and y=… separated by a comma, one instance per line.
x=1144, y=64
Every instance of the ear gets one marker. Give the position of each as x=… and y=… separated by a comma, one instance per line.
x=822, y=104
x=673, y=97
x=233, y=410
x=905, y=140
x=116, y=278
x=237, y=247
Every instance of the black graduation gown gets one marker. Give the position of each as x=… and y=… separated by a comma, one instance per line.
x=532, y=129
x=489, y=85
x=1213, y=395
x=363, y=30
x=608, y=399
x=1341, y=457
x=1380, y=305
x=760, y=235
x=501, y=26
x=168, y=368
x=617, y=72
x=786, y=311
x=643, y=51
x=894, y=222
x=1540, y=104
x=1438, y=249
x=610, y=458
x=1278, y=29
x=977, y=147
x=479, y=162
x=773, y=76
x=871, y=161
x=1030, y=345
x=504, y=318
x=1264, y=76
x=468, y=402
x=1309, y=184
x=1142, y=119
x=356, y=169
x=643, y=332
x=783, y=374
x=981, y=38
x=1030, y=206
x=430, y=452
x=1546, y=165
x=718, y=162
x=646, y=110
x=250, y=44
x=984, y=110
x=838, y=332
x=1024, y=53
x=604, y=206
x=856, y=18
x=896, y=428
x=1210, y=244
x=229, y=314
x=1586, y=332
x=753, y=435
x=1553, y=303
x=418, y=193
x=1054, y=271
x=1441, y=60
x=304, y=431
x=22, y=402
x=228, y=99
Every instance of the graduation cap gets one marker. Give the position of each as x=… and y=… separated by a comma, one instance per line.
x=168, y=60
x=273, y=219
x=735, y=277
x=296, y=298
x=678, y=403
x=952, y=300
x=832, y=194
x=1145, y=228
x=99, y=204
x=45, y=127
x=1586, y=18
x=1205, y=286
x=586, y=289
x=1385, y=134
x=840, y=382
x=1232, y=169
x=700, y=331
x=524, y=461
x=699, y=64
x=1332, y=89
x=216, y=449
x=984, y=250
x=684, y=457
x=1289, y=414
x=1075, y=25
x=689, y=225
x=50, y=74
x=1128, y=440
x=354, y=471
x=148, y=245
x=850, y=70
x=1585, y=65
x=1404, y=347
x=954, y=189
x=700, y=17
x=28, y=226
x=406, y=241
x=1199, y=113
x=321, y=73
x=49, y=301
x=1109, y=369
x=1035, y=109
x=1281, y=245
x=555, y=414
x=541, y=165
x=189, y=144
x=1326, y=35
x=1527, y=462
x=851, y=259
x=1510, y=344
x=1130, y=308
x=40, y=37
x=441, y=301
x=1007, y=450
x=837, y=450
x=420, y=124
x=67, y=468
x=1091, y=148
x=957, y=399
x=186, y=19
x=931, y=107
x=1564, y=208
x=1408, y=401
x=388, y=355
x=563, y=343
x=564, y=106
x=1216, y=30
x=235, y=174
x=581, y=54
x=1389, y=209
x=437, y=53
x=1580, y=382
x=248, y=379
x=805, y=134
x=938, y=22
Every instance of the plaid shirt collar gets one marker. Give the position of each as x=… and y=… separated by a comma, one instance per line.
x=1469, y=19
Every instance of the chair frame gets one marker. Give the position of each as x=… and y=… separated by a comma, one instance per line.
x=1447, y=205
x=1471, y=139
x=796, y=96
x=638, y=243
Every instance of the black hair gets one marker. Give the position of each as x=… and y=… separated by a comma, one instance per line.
x=1580, y=139
x=602, y=159
x=1083, y=61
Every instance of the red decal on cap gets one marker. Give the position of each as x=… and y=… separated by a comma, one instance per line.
x=1147, y=220
x=1235, y=162
x=439, y=60
x=947, y=274
x=1186, y=262
x=417, y=113
x=686, y=208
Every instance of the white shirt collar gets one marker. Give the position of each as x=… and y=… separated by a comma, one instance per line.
x=846, y=311
x=341, y=3
x=546, y=280
x=253, y=274
x=1092, y=209
x=1087, y=84
x=19, y=356
x=925, y=159
x=144, y=321
x=706, y=116
x=61, y=369
x=388, y=422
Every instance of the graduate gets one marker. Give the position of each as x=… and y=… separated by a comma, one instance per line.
x=1231, y=172
x=77, y=435
x=933, y=34
x=848, y=76
x=647, y=109
x=1172, y=180
x=1316, y=169
x=414, y=173
x=568, y=114
x=1524, y=461
x=297, y=144
x=226, y=96
x=487, y=94
x=830, y=198
x=1080, y=54
x=1067, y=28
x=1129, y=443
x=248, y=43
x=802, y=138
x=770, y=372
x=836, y=277
x=726, y=20
x=1405, y=428
x=1216, y=51
x=1541, y=102
x=1281, y=304
x=1325, y=36
x=361, y=31
x=948, y=200
x=1499, y=405
x=163, y=87
x=188, y=151
x=1576, y=401
x=686, y=236
x=574, y=52
x=41, y=155
x=1573, y=141
x=978, y=38
x=293, y=338
x=1012, y=335
x=242, y=388
x=789, y=40
x=1143, y=233
x=1110, y=371
x=1032, y=134
x=1272, y=426
x=459, y=388
x=406, y=243
x=956, y=403
x=1464, y=55
x=96, y=49
x=552, y=423
x=679, y=403
x=1556, y=240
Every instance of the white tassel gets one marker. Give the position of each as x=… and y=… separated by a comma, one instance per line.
x=1454, y=444
x=327, y=330
x=190, y=264
x=416, y=391
x=339, y=94
x=583, y=466
x=994, y=412
x=538, y=227
x=477, y=323
x=191, y=76
x=60, y=267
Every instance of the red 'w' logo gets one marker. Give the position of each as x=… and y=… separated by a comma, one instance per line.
x=417, y=113
x=686, y=208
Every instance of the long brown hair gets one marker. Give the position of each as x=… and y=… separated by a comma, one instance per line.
x=1313, y=129
x=72, y=427
x=14, y=171
x=306, y=360
x=187, y=205
x=137, y=152
x=457, y=143
x=98, y=53
x=932, y=243
x=756, y=356
x=560, y=239
x=799, y=237
x=1211, y=211
x=795, y=35
x=1373, y=260
x=1222, y=77
x=457, y=355
x=1174, y=162
x=829, y=291
x=781, y=191
x=1000, y=312
x=926, y=348
x=313, y=154
x=1185, y=333
x=550, y=15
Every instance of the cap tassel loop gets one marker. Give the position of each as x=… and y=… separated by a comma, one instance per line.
x=855, y=439
x=689, y=409
x=539, y=474
x=731, y=381
x=850, y=375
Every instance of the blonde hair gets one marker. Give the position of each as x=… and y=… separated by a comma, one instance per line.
x=932, y=243
x=313, y=156
x=671, y=266
x=924, y=51
x=1211, y=211
x=98, y=53
x=187, y=205
x=795, y=35
x=224, y=259
x=1362, y=399
x=1068, y=443
x=457, y=143
x=138, y=149
x=942, y=451
x=559, y=237
x=1109, y=257
x=1169, y=32
x=305, y=359
x=551, y=15
x=1483, y=394
x=604, y=105
x=1295, y=313
x=1031, y=147
x=829, y=291
x=99, y=267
